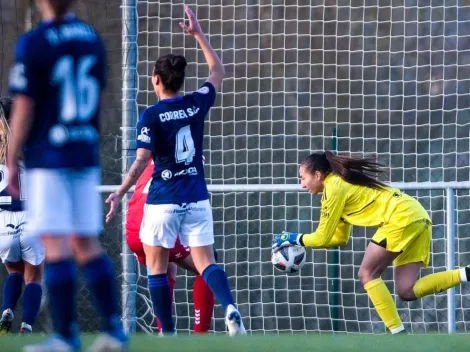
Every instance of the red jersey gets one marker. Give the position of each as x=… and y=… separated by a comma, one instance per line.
x=135, y=210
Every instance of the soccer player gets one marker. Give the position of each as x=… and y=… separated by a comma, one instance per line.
x=58, y=80
x=172, y=132
x=179, y=255
x=353, y=196
x=22, y=255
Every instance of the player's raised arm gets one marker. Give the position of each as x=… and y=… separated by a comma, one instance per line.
x=216, y=66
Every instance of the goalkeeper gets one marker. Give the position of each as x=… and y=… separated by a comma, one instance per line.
x=351, y=195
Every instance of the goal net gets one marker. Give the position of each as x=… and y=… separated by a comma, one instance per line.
x=389, y=79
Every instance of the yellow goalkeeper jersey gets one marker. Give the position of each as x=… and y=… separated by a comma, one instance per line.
x=344, y=204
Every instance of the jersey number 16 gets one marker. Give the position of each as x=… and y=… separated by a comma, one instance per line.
x=79, y=91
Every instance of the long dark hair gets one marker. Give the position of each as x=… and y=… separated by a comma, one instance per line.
x=362, y=172
x=170, y=68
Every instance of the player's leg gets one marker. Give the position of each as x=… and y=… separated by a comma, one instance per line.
x=49, y=214
x=409, y=263
x=32, y=253
x=171, y=272
x=158, y=233
x=376, y=260
x=198, y=233
x=11, y=292
x=203, y=298
x=10, y=253
x=95, y=264
x=159, y=286
x=32, y=295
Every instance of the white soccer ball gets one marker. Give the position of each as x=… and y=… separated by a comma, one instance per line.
x=289, y=259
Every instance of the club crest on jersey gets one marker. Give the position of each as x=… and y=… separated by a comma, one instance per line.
x=166, y=174
x=144, y=135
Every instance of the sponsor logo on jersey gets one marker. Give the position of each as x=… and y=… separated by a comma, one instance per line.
x=203, y=90
x=144, y=135
x=166, y=174
x=60, y=135
x=190, y=171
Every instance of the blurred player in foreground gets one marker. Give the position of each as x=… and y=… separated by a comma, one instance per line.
x=22, y=255
x=179, y=255
x=58, y=80
x=172, y=132
x=353, y=196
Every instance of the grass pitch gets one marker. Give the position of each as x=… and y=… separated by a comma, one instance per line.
x=276, y=343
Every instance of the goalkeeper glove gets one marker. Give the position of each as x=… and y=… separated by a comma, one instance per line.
x=286, y=239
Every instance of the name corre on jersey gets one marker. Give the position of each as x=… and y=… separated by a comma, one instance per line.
x=178, y=114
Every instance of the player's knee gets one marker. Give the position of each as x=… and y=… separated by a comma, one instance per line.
x=33, y=273
x=86, y=248
x=368, y=274
x=406, y=293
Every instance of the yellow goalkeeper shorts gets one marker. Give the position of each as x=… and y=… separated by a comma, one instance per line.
x=412, y=241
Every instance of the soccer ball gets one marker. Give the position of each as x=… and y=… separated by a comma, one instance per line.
x=289, y=259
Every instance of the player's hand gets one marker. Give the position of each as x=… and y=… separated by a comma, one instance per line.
x=13, y=187
x=114, y=199
x=285, y=239
x=193, y=28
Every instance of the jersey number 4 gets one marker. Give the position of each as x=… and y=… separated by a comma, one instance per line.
x=184, y=151
x=79, y=91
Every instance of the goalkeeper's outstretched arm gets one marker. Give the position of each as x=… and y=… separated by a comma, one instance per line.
x=340, y=237
x=332, y=230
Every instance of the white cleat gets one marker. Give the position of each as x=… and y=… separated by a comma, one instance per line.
x=52, y=344
x=107, y=343
x=26, y=329
x=234, y=323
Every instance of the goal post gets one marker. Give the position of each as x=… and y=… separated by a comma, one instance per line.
x=390, y=77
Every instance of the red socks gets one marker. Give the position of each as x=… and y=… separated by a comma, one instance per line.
x=203, y=305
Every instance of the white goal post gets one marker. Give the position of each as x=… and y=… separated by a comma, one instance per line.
x=387, y=79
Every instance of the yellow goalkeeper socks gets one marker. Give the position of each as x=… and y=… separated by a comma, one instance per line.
x=439, y=282
x=384, y=305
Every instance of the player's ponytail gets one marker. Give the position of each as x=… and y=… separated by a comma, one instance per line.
x=362, y=172
x=60, y=7
x=5, y=108
x=171, y=70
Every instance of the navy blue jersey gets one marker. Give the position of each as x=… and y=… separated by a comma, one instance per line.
x=6, y=201
x=173, y=130
x=61, y=66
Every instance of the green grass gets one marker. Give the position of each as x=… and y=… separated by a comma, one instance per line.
x=275, y=343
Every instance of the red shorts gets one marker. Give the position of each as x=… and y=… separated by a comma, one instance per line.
x=177, y=253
